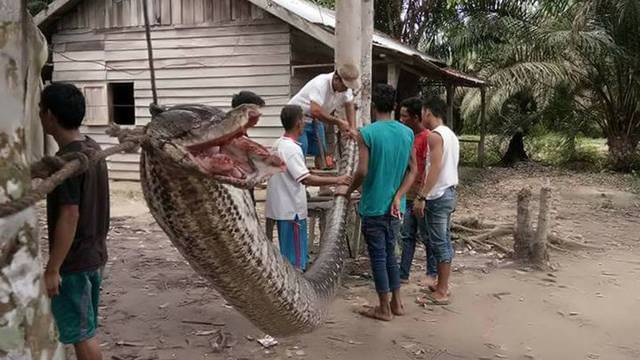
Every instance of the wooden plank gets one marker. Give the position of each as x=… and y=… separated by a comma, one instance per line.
x=176, y=11
x=76, y=36
x=198, y=11
x=78, y=56
x=191, y=73
x=267, y=92
x=100, y=14
x=84, y=46
x=157, y=12
x=108, y=12
x=124, y=175
x=194, y=73
x=194, y=52
x=190, y=32
x=211, y=100
x=257, y=39
x=123, y=166
x=197, y=62
x=142, y=110
x=208, y=11
x=77, y=66
x=224, y=11
x=165, y=12
x=229, y=82
x=256, y=12
x=133, y=12
x=96, y=104
x=188, y=16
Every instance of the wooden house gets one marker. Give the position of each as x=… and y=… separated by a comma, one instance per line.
x=205, y=51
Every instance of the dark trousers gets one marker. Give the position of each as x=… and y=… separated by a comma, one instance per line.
x=380, y=233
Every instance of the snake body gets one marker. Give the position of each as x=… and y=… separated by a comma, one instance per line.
x=215, y=228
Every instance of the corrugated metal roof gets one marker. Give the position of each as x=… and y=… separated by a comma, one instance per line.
x=317, y=14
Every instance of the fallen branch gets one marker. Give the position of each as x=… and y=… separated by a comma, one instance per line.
x=570, y=244
x=494, y=233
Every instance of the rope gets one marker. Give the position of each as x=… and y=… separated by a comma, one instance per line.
x=54, y=170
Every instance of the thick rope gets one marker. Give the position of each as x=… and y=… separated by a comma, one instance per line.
x=55, y=170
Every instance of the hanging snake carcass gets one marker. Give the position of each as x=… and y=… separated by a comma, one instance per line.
x=196, y=166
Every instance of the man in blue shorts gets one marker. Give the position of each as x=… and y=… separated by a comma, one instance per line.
x=286, y=193
x=78, y=222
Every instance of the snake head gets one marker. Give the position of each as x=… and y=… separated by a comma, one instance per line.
x=206, y=141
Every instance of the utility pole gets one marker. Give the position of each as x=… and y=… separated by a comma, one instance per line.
x=27, y=331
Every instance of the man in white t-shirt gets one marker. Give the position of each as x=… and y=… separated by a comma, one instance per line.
x=319, y=98
x=286, y=193
x=437, y=198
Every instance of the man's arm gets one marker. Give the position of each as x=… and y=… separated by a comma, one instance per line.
x=435, y=167
x=318, y=113
x=361, y=171
x=350, y=112
x=409, y=176
x=62, y=239
x=317, y=180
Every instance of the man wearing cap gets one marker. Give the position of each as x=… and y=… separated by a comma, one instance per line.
x=319, y=98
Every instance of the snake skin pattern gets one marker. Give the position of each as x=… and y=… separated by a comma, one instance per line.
x=214, y=226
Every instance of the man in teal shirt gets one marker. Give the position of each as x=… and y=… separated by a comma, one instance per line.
x=386, y=170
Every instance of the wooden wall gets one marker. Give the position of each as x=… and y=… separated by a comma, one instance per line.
x=207, y=51
x=106, y=14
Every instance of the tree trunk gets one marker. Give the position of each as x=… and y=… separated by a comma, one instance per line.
x=622, y=150
x=515, y=152
x=364, y=108
x=539, y=253
x=26, y=327
x=523, y=232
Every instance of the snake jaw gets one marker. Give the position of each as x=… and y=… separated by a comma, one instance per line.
x=209, y=142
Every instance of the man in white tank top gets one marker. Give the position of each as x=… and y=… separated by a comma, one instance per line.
x=437, y=199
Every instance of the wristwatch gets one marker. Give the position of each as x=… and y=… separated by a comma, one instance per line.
x=421, y=198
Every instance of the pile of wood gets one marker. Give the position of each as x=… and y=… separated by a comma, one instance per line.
x=529, y=244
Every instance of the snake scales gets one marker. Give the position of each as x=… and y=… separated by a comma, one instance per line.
x=212, y=221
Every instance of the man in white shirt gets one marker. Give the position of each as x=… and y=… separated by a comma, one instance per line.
x=319, y=98
x=286, y=192
x=439, y=194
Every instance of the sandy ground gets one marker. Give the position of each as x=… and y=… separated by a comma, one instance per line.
x=586, y=309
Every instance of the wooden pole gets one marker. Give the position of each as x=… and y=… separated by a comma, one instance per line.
x=364, y=110
x=539, y=253
x=393, y=75
x=27, y=331
x=348, y=32
x=450, y=92
x=152, y=71
x=483, y=126
x=523, y=231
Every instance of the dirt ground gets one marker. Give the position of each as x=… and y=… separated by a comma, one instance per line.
x=586, y=309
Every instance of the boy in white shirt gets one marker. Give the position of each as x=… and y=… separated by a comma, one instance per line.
x=286, y=191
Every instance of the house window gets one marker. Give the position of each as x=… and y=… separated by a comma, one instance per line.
x=122, y=106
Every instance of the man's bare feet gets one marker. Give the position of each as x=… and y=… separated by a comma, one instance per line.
x=375, y=313
x=397, y=308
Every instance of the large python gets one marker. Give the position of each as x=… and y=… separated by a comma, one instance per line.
x=195, y=168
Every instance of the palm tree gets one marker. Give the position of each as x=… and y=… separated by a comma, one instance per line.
x=536, y=46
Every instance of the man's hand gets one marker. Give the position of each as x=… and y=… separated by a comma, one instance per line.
x=343, y=125
x=350, y=133
x=344, y=180
x=52, y=282
x=395, y=208
x=418, y=207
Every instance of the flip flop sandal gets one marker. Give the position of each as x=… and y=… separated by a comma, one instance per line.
x=430, y=300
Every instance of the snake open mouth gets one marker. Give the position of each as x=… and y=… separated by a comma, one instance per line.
x=234, y=158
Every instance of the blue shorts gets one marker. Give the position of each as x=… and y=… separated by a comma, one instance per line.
x=292, y=235
x=309, y=140
x=75, y=308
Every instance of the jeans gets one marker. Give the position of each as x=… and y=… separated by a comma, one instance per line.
x=380, y=234
x=413, y=227
x=309, y=138
x=438, y=218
